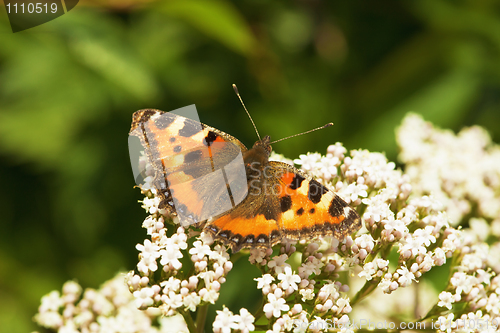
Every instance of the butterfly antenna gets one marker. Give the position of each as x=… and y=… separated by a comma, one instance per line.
x=292, y=136
x=248, y=113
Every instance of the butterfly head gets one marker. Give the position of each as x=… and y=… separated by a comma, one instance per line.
x=259, y=153
x=263, y=145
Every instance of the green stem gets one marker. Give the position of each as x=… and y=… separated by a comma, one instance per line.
x=201, y=317
x=364, y=291
x=189, y=321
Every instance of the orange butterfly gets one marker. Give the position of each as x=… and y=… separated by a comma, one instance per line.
x=256, y=203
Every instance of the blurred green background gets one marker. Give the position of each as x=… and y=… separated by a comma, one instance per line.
x=68, y=89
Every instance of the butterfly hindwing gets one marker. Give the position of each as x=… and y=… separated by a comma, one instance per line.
x=288, y=204
x=310, y=208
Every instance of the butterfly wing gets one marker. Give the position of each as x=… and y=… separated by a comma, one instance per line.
x=286, y=203
x=199, y=171
x=310, y=208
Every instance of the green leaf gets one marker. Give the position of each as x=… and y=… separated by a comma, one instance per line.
x=217, y=19
x=444, y=102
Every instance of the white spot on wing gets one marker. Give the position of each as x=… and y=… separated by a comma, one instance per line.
x=347, y=211
x=288, y=216
x=156, y=116
x=326, y=200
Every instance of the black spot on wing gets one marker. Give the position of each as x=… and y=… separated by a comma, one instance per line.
x=286, y=203
x=177, y=149
x=316, y=191
x=172, y=139
x=296, y=182
x=190, y=129
x=268, y=214
x=268, y=210
x=164, y=120
x=211, y=137
x=193, y=156
x=300, y=211
x=312, y=211
x=337, y=207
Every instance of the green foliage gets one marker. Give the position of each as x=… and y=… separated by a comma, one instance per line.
x=68, y=89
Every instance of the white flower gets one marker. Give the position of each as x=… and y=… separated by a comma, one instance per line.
x=244, y=320
x=446, y=299
x=462, y=282
x=224, y=321
x=144, y=297
x=49, y=319
x=319, y=325
x=219, y=254
x=439, y=256
x=309, y=161
x=343, y=304
x=329, y=290
x=275, y=306
x=412, y=245
x=199, y=250
x=395, y=224
x=311, y=266
x=278, y=263
x=257, y=255
x=264, y=281
x=288, y=279
x=173, y=300
x=405, y=277
x=147, y=264
x=207, y=276
x=446, y=324
x=377, y=209
x=71, y=291
x=152, y=225
x=337, y=150
x=191, y=301
x=365, y=241
x=307, y=294
x=171, y=256
x=210, y=296
x=427, y=263
x=51, y=302
x=172, y=284
x=425, y=235
x=179, y=239
x=369, y=269
x=174, y=323
x=471, y=262
x=354, y=191
x=151, y=204
x=385, y=285
x=480, y=227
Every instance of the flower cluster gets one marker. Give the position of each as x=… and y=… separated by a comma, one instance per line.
x=410, y=228
x=461, y=171
x=176, y=291
x=226, y=321
x=112, y=308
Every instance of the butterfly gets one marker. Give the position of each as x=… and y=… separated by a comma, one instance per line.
x=235, y=194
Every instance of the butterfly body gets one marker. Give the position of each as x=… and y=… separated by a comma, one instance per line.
x=268, y=200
